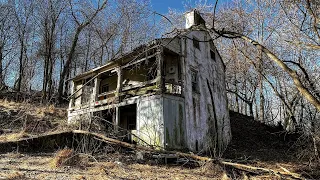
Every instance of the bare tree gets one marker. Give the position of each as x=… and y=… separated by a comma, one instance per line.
x=81, y=23
x=302, y=88
x=6, y=31
x=49, y=14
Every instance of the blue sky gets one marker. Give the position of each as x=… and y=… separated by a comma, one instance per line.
x=162, y=6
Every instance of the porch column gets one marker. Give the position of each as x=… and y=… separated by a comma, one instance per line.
x=71, y=102
x=160, y=75
x=119, y=80
x=119, y=89
x=117, y=119
x=95, y=91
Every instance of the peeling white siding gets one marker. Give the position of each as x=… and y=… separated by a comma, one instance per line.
x=150, y=125
x=200, y=123
x=174, y=122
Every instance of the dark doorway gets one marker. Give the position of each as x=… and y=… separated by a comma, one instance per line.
x=128, y=117
x=128, y=121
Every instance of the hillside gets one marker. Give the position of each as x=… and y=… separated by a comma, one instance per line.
x=253, y=144
x=253, y=140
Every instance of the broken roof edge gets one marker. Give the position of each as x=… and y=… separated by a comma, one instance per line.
x=155, y=42
x=151, y=44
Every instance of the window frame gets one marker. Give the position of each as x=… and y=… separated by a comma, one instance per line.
x=103, y=86
x=212, y=53
x=194, y=80
x=196, y=43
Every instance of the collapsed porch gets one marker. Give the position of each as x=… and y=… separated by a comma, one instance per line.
x=128, y=82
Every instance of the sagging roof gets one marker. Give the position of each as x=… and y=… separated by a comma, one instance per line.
x=117, y=59
x=152, y=44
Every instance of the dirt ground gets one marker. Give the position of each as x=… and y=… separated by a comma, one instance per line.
x=39, y=166
x=252, y=144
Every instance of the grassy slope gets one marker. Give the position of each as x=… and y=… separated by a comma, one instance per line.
x=253, y=143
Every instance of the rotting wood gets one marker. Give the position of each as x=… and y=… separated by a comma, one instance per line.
x=134, y=146
x=260, y=170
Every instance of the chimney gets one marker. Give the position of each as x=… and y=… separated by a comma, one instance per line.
x=193, y=18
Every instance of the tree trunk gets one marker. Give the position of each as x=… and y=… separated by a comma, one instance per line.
x=251, y=109
x=19, y=80
x=293, y=74
x=45, y=77
x=50, y=87
x=66, y=66
x=261, y=101
x=1, y=73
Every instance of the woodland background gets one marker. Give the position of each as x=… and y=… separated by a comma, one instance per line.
x=271, y=49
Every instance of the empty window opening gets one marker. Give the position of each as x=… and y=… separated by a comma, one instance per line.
x=197, y=146
x=104, y=88
x=196, y=43
x=212, y=55
x=194, y=110
x=194, y=80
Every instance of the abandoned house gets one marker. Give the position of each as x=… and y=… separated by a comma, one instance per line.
x=169, y=93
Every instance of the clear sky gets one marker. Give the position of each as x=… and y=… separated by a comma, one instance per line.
x=162, y=6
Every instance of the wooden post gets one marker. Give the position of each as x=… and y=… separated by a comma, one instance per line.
x=119, y=89
x=160, y=74
x=119, y=80
x=71, y=103
x=117, y=119
x=95, y=91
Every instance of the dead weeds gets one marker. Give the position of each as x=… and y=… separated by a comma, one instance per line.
x=68, y=157
x=18, y=119
x=15, y=176
x=14, y=136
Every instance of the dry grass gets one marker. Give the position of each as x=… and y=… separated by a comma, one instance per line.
x=63, y=157
x=13, y=136
x=15, y=176
x=39, y=167
x=68, y=157
x=31, y=118
x=36, y=110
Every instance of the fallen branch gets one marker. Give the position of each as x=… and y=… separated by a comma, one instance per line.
x=101, y=137
x=243, y=167
x=134, y=146
x=260, y=170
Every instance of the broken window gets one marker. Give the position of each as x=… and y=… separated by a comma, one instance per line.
x=194, y=80
x=105, y=88
x=213, y=55
x=196, y=43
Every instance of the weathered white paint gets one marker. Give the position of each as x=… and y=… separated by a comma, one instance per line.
x=198, y=121
x=190, y=20
x=174, y=122
x=150, y=125
x=199, y=106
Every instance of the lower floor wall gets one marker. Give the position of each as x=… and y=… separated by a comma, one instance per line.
x=161, y=121
x=150, y=121
x=174, y=122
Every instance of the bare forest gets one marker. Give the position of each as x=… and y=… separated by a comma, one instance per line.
x=270, y=50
